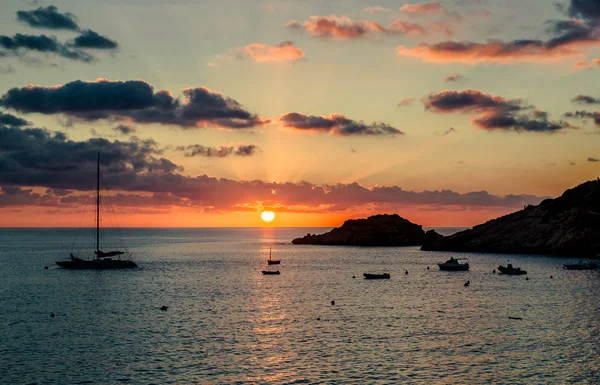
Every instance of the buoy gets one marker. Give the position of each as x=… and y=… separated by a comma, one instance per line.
x=527, y=279
x=494, y=271
x=52, y=315
x=45, y=267
x=332, y=303
x=467, y=283
x=353, y=276
x=406, y=272
x=551, y=277
x=163, y=308
x=427, y=267
x=318, y=318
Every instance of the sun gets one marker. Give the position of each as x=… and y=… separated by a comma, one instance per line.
x=267, y=216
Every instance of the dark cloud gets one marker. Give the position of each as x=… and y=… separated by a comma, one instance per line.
x=11, y=120
x=92, y=40
x=37, y=157
x=454, y=77
x=494, y=112
x=48, y=17
x=448, y=132
x=585, y=99
x=586, y=9
x=584, y=114
x=470, y=100
x=82, y=97
x=124, y=129
x=20, y=43
x=590, y=159
x=218, y=152
x=336, y=124
x=133, y=100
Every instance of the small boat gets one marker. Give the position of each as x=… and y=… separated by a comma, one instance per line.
x=509, y=269
x=377, y=276
x=581, y=266
x=268, y=272
x=101, y=260
x=453, y=264
x=272, y=261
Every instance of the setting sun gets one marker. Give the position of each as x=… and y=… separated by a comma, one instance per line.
x=267, y=216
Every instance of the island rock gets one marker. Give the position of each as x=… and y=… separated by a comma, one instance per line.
x=377, y=230
x=568, y=225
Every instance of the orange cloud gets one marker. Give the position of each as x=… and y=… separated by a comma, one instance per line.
x=283, y=52
x=344, y=28
x=596, y=61
x=581, y=65
x=494, y=51
x=431, y=7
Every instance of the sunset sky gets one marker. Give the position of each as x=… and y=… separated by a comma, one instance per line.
x=207, y=113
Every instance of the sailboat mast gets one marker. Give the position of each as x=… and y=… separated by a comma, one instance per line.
x=269, y=253
x=98, y=205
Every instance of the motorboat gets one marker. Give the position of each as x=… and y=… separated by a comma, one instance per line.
x=454, y=264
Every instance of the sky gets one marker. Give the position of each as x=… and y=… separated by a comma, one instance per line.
x=207, y=113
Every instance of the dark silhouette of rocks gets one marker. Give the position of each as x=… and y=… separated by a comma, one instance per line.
x=568, y=225
x=376, y=230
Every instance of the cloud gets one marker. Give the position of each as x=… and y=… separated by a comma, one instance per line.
x=406, y=102
x=584, y=114
x=431, y=7
x=492, y=112
x=447, y=132
x=124, y=129
x=343, y=28
x=218, y=152
x=132, y=101
x=38, y=158
x=468, y=101
x=20, y=43
x=569, y=37
x=581, y=65
x=586, y=9
x=454, y=77
x=283, y=52
x=593, y=159
x=585, y=99
x=376, y=9
x=7, y=69
x=11, y=120
x=92, y=40
x=48, y=17
x=335, y=124
x=596, y=61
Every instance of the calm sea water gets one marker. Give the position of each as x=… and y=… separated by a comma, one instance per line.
x=227, y=323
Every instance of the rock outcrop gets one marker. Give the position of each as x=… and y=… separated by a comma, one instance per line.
x=377, y=230
x=568, y=225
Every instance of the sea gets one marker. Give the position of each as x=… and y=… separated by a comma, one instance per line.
x=318, y=322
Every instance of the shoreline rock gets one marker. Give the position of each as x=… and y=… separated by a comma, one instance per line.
x=567, y=226
x=376, y=230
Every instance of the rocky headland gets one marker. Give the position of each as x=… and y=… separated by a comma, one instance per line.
x=377, y=230
x=568, y=225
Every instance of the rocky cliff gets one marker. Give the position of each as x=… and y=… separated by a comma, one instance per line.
x=568, y=225
x=377, y=230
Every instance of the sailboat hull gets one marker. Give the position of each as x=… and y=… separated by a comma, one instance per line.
x=96, y=264
x=273, y=262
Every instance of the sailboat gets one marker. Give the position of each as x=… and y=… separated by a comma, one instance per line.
x=272, y=261
x=101, y=260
